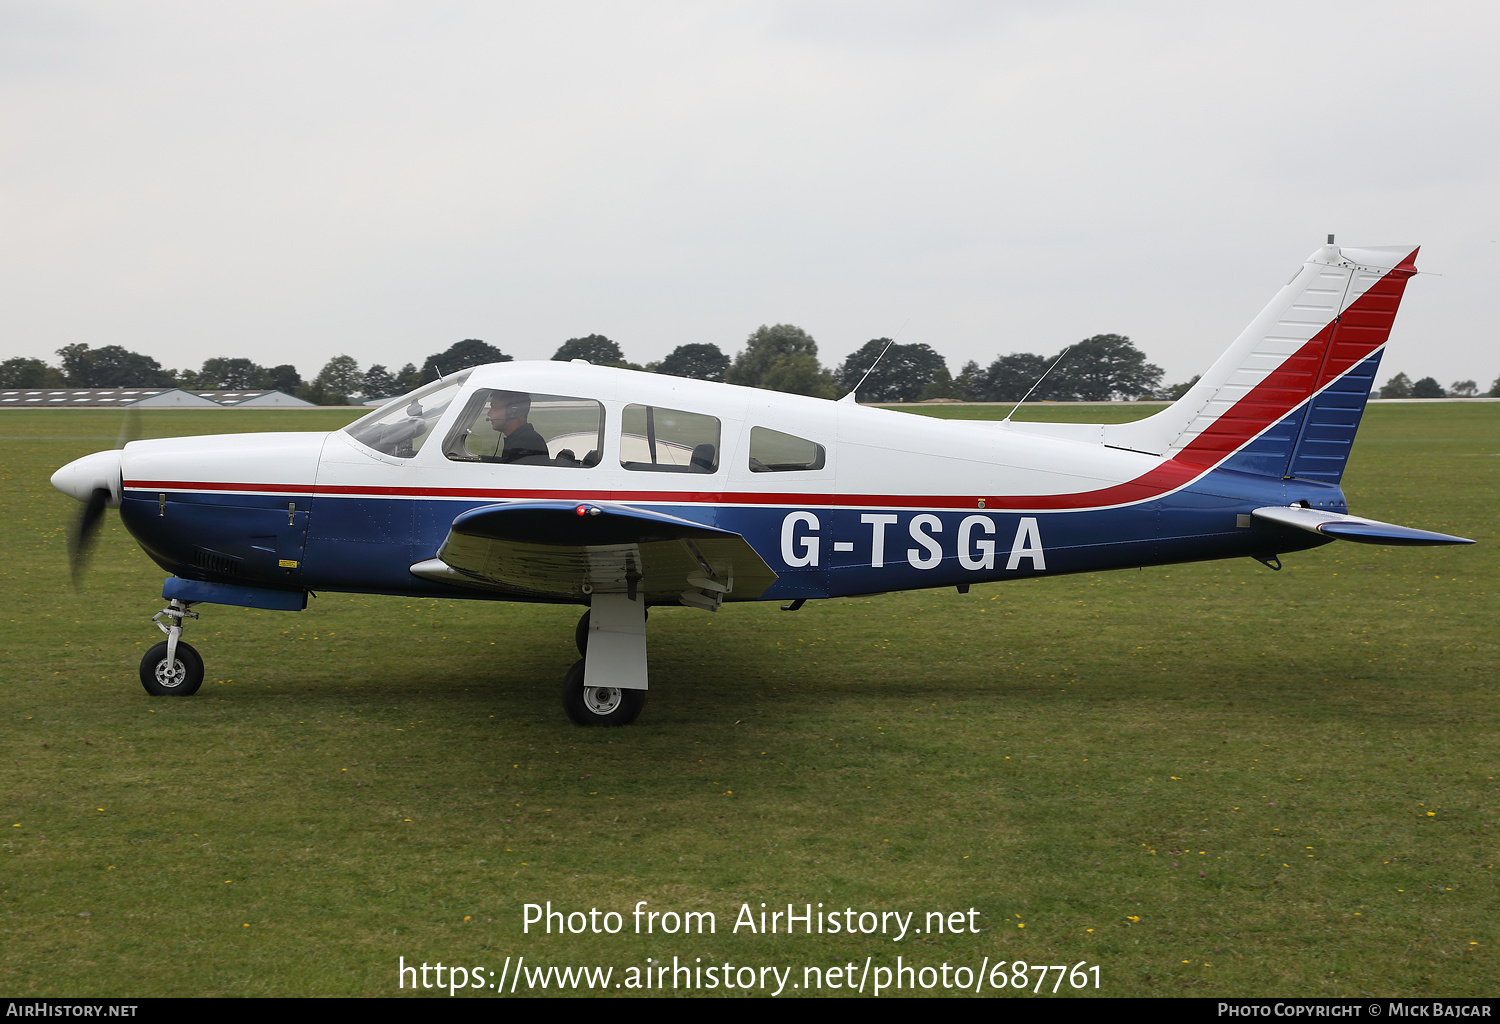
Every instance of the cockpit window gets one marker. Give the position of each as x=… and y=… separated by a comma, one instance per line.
x=521, y=428
x=668, y=440
x=771, y=451
x=402, y=426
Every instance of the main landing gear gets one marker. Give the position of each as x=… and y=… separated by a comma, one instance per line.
x=172, y=668
x=607, y=686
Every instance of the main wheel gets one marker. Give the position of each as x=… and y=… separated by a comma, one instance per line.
x=581, y=632
x=599, y=705
x=581, y=635
x=180, y=679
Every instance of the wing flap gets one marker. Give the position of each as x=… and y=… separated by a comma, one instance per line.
x=1355, y=528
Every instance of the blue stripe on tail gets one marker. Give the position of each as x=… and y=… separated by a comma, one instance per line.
x=1314, y=440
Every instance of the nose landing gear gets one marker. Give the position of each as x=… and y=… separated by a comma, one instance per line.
x=172, y=668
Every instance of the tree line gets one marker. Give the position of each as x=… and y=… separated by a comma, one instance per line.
x=782, y=358
x=1401, y=386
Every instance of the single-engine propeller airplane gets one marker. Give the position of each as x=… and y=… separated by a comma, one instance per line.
x=615, y=489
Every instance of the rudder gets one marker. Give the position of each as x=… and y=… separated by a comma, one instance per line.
x=1287, y=397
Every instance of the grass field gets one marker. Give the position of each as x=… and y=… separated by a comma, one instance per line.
x=1207, y=779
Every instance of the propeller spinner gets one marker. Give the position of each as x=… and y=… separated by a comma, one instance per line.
x=96, y=480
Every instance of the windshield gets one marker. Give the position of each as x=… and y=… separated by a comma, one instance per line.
x=402, y=426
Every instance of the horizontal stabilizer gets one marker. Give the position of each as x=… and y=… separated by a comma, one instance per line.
x=1364, y=531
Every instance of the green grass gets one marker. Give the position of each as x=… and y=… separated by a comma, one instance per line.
x=1207, y=779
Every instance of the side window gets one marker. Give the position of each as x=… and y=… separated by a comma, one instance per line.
x=525, y=429
x=668, y=440
x=771, y=451
x=400, y=428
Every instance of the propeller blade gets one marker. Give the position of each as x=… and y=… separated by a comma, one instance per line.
x=81, y=540
x=130, y=428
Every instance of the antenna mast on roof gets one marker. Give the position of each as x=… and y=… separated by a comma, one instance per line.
x=1038, y=383
x=851, y=395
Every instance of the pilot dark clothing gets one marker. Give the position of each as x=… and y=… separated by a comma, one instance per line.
x=525, y=445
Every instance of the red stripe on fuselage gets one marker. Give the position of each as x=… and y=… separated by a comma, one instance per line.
x=1168, y=476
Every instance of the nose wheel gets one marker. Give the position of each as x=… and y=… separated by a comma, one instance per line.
x=172, y=668
x=180, y=677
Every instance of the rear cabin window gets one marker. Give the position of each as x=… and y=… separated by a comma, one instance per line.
x=668, y=440
x=771, y=451
x=521, y=428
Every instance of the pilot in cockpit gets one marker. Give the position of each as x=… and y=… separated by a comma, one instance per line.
x=508, y=414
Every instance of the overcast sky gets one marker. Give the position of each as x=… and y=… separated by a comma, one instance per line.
x=290, y=182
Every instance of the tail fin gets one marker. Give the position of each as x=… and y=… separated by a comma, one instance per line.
x=1287, y=397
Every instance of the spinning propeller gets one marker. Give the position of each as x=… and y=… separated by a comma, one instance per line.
x=96, y=480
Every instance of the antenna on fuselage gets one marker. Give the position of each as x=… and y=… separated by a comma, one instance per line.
x=850, y=397
x=1038, y=383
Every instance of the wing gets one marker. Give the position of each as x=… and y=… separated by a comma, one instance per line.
x=564, y=551
x=1365, y=531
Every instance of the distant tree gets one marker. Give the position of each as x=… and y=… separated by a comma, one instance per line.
x=222, y=374
x=899, y=376
x=1398, y=386
x=1102, y=368
x=596, y=348
x=1428, y=387
x=77, y=364
x=111, y=367
x=1464, y=389
x=338, y=381
x=699, y=361
x=409, y=379
x=285, y=378
x=942, y=385
x=762, y=350
x=312, y=391
x=460, y=355
x=1494, y=391
x=966, y=381
x=799, y=374
x=22, y=372
x=1172, y=392
x=1008, y=378
x=379, y=383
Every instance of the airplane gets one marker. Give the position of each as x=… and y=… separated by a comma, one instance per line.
x=617, y=490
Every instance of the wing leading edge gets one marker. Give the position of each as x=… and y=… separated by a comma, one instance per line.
x=571, y=551
x=1342, y=527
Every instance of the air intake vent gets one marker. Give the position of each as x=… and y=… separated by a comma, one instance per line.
x=216, y=563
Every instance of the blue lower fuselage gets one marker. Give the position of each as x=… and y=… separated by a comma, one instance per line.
x=365, y=544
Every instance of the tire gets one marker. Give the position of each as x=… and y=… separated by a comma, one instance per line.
x=183, y=682
x=599, y=705
x=581, y=635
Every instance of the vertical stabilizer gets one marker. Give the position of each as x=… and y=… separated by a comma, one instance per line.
x=1286, y=398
